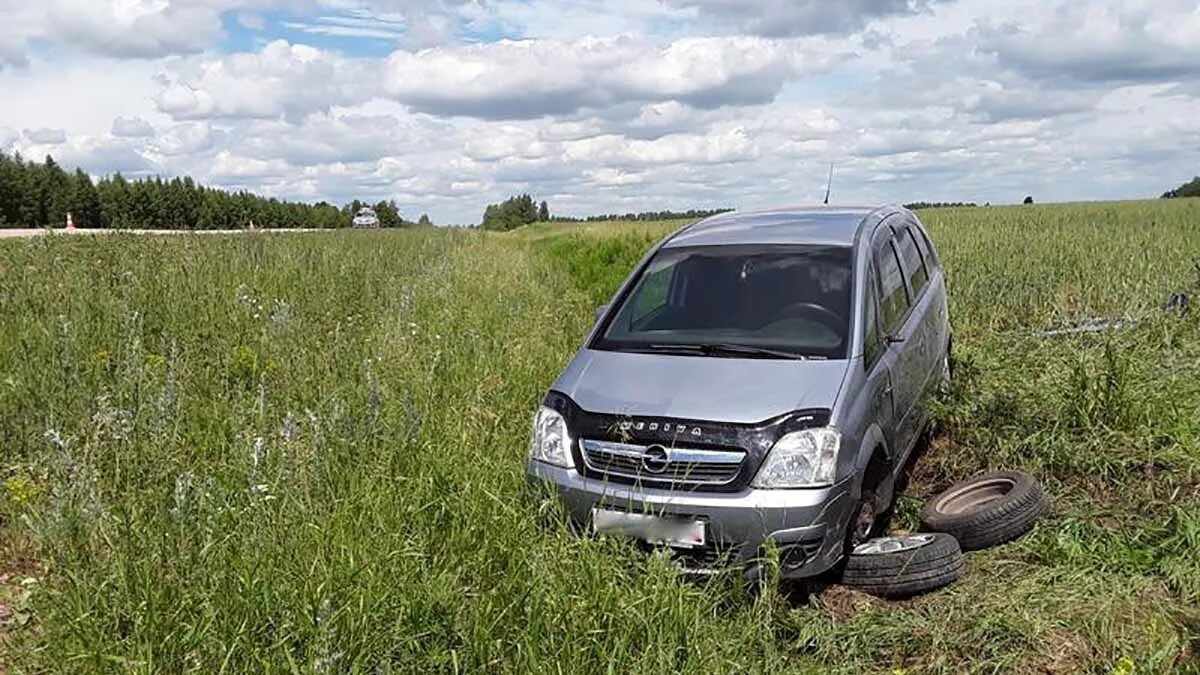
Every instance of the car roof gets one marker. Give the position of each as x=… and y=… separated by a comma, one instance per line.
x=829, y=225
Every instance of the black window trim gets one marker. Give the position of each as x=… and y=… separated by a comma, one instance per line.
x=887, y=227
x=916, y=240
x=872, y=291
x=885, y=236
x=906, y=230
x=932, y=262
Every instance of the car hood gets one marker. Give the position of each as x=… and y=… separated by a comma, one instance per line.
x=740, y=391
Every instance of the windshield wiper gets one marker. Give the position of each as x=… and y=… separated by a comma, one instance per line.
x=726, y=349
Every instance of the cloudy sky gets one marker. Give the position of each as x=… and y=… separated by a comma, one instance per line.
x=613, y=105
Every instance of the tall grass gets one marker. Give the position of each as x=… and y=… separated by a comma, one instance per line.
x=304, y=454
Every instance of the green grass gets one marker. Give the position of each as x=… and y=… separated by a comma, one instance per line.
x=304, y=453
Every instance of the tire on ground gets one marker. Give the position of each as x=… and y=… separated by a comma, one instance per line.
x=908, y=572
x=986, y=510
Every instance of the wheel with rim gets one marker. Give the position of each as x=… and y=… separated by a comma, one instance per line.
x=902, y=566
x=986, y=510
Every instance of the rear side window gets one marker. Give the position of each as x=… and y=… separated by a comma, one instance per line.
x=893, y=297
x=931, y=261
x=910, y=261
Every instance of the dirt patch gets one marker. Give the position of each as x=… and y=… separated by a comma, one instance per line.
x=1063, y=652
x=18, y=575
x=842, y=603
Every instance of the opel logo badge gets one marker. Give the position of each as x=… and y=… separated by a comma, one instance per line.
x=655, y=459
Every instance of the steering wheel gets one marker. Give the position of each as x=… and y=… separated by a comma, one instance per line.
x=822, y=315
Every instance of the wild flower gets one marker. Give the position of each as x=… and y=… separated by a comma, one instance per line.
x=256, y=453
x=1124, y=666
x=20, y=489
x=109, y=421
x=245, y=296
x=288, y=431
x=281, y=312
x=261, y=491
x=182, y=494
x=54, y=438
x=325, y=660
x=156, y=364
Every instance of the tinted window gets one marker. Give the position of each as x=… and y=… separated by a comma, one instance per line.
x=872, y=340
x=910, y=261
x=926, y=249
x=654, y=295
x=893, y=297
x=791, y=298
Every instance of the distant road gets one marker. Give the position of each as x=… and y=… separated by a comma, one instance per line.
x=16, y=234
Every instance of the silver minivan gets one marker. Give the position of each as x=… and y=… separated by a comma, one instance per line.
x=758, y=381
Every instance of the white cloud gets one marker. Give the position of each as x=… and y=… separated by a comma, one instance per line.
x=608, y=177
x=281, y=80
x=46, y=136
x=229, y=165
x=778, y=18
x=533, y=78
x=1103, y=42
x=131, y=127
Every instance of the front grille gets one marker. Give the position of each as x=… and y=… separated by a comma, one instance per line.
x=660, y=464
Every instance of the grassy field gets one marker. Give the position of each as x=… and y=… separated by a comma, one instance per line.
x=304, y=454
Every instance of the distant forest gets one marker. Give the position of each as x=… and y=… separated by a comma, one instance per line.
x=40, y=194
x=1189, y=189
x=644, y=215
x=938, y=205
x=524, y=210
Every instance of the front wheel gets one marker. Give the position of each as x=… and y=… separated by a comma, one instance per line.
x=904, y=565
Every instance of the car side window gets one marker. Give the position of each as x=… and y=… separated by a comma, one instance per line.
x=872, y=340
x=911, y=262
x=927, y=253
x=893, y=295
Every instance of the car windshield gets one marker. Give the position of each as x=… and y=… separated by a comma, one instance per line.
x=749, y=301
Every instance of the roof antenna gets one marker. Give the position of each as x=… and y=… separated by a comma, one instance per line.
x=829, y=185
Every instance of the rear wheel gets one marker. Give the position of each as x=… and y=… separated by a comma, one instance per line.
x=986, y=510
x=903, y=565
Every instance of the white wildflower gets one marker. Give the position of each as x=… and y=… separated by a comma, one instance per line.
x=256, y=452
x=288, y=431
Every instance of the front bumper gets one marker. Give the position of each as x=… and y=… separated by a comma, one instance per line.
x=807, y=525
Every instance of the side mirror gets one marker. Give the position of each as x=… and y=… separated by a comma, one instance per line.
x=600, y=312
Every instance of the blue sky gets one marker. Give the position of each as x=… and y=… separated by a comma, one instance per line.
x=613, y=105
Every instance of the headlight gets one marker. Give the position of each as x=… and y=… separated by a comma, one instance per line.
x=801, y=459
x=551, y=442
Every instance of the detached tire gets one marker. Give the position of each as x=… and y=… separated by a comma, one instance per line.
x=987, y=510
x=903, y=566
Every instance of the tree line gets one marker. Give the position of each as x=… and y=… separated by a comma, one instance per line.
x=1188, y=189
x=514, y=212
x=693, y=214
x=938, y=205
x=40, y=194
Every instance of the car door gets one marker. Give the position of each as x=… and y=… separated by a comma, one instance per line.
x=878, y=362
x=893, y=300
x=917, y=331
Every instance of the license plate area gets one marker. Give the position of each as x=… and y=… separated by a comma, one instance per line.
x=676, y=531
